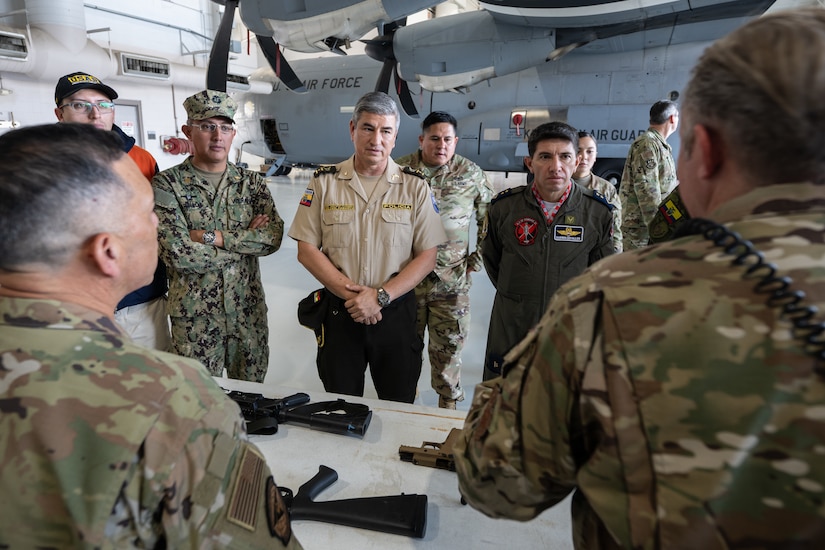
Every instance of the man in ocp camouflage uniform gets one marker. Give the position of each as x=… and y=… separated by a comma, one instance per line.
x=678, y=389
x=462, y=192
x=649, y=175
x=105, y=443
x=216, y=219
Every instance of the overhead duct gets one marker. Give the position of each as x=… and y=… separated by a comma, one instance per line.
x=56, y=44
x=64, y=20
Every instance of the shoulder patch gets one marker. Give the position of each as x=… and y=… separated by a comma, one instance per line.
x=413, y=172
x=330, y=169
x=506, y=193
x=599, y=197
x=165, y=198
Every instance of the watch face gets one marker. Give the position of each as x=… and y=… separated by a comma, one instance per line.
x=383, y=298
x=209, y=237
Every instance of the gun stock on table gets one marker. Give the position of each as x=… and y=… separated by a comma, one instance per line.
x=397, y=515
x=263, y=414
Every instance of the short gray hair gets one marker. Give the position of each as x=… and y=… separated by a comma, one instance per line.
x=662, y=110
x=761, y=87
x=377, y=103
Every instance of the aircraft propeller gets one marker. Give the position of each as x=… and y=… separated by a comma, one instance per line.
x=380, y=49
x=219, y=56
x=279, y=64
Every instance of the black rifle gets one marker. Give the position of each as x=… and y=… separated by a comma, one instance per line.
x=398, y=515
x=263, y=414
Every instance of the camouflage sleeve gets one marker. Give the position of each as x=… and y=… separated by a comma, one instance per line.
x=200, y=481
x=613, y=198
x=645, y=184
x=515, y=456
x=482, y=203
x=176, y=248
x=264, y=240
x=491, y=247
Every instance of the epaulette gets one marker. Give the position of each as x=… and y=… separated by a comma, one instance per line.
x=599, y=197
x=329, y=169
x=413, y=172
x=506, y=193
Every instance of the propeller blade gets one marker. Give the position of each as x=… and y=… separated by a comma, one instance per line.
x=404, y=94
x=279, y=64
x=383, y=82
x=219, y=56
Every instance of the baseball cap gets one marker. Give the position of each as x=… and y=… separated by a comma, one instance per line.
x=71, y=83
x=208, y=104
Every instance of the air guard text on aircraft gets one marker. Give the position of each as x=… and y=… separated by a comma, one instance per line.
x=328, y=83
x=615, y=134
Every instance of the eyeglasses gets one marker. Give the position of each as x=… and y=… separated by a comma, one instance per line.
x=208, y=127
x=86, y=107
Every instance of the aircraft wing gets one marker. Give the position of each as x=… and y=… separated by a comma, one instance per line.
x=508, y=36
x=502, y=37
x=324, y=25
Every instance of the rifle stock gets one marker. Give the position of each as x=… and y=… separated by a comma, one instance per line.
x=398, y=515
x=263, y=414
x=338, y=417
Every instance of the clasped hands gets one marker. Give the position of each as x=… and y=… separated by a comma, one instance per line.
x=363, y=307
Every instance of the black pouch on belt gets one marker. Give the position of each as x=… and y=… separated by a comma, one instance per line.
x=313, y=308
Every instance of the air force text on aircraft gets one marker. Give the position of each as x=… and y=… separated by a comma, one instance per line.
x=616, y=134
x=327, y=83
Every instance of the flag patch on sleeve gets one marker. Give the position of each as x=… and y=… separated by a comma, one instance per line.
x=306, y=198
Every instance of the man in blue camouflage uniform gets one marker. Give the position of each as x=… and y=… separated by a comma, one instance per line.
x=538, y=237
x=216, y=219
x=104, y=443
x=680, y=389
x=462, y=192
x=649, y=175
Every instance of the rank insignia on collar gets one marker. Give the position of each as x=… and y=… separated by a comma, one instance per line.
x=413, y=172
x=330, y=169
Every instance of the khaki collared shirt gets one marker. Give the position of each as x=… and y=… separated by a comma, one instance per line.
x=368, y=238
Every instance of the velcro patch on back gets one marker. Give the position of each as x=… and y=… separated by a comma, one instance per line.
x=243, y=505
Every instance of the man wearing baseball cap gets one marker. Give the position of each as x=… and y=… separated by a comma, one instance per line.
x=215, y=219
x=84, y=99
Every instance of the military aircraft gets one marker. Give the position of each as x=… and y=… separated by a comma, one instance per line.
x=501, y=71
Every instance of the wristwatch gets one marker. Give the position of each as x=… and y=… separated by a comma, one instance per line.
x=383, y=298
x=209, y=237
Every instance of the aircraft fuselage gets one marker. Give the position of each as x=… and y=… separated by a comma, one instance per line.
x=608, y=95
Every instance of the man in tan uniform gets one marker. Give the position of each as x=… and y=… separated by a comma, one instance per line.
x=368, y=231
